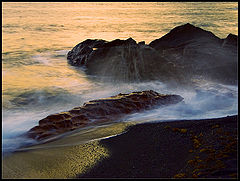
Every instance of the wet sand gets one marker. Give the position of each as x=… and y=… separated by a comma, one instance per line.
x=176, y=149
x=179, y=149
x=63, y=158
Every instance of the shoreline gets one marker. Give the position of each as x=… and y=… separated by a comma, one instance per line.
x=177, y=149
x=205, y=148
x=61, y=158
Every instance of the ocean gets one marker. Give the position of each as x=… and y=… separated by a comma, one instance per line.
x=37, y=80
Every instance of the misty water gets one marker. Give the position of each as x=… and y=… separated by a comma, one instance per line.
x=38, y=81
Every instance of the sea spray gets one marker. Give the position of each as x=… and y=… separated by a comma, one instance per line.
x=25, y=54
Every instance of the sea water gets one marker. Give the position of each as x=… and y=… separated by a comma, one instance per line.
x=38, y=81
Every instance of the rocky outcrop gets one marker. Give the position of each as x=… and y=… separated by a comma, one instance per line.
x=182, y=35
x=231, y=41
x=122, y=60
x=100, y=111
x=182, y=54
x=80, y=53
x=197, y=52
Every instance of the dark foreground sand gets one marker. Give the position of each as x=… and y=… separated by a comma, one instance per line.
x=179, y=149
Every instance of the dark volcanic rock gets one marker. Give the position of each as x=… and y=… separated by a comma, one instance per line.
x=186, y=52
x=231, y=40
x=128, y=61
x=196, y=52
x=123, y=60
x=182, y=35
x=79, y=54
x=100, y=111
x=119, y=42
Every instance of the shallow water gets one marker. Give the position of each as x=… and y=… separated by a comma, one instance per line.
x=38, y=81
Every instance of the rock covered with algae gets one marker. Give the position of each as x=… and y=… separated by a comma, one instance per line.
x=100, y=111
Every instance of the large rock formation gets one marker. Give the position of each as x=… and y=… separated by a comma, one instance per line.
x=120, y=60
x=180, y=55
x=100, y=111
x=196, y=52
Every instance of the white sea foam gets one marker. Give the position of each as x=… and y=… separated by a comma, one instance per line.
x=35, y=61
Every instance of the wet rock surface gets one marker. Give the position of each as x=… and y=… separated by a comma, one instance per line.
x=123, y=60
x=180, y=55
x=197, y=52
x=100, y=111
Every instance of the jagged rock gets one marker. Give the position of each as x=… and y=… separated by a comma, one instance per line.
x=197, y=52
x=182, y=54
x=123, y=60
x=128, y=61
x=182, y=35
x=100, y=111
x=79, y=54
x=141, y=43
x=231, y=41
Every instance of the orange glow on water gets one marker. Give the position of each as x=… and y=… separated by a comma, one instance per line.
x=30, y=29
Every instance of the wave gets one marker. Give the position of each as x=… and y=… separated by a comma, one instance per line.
x=44, y=56
x=39, y=98
x=203, y=100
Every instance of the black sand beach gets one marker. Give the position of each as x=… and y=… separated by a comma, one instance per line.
x=89, y=89
x=179, y=149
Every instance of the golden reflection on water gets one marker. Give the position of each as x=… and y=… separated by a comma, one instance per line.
x=32, y=26
x=39, y=76
x=30, y=29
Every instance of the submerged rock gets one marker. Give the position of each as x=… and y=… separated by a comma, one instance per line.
x=180, y=55
x=100, y=111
